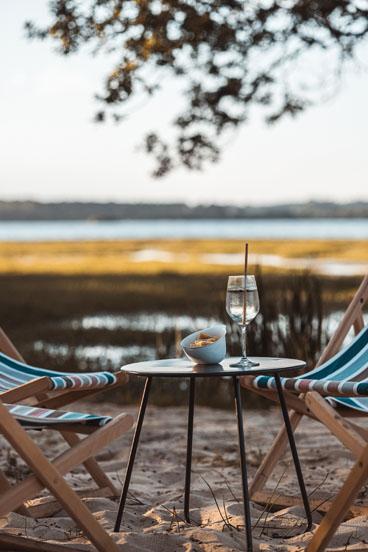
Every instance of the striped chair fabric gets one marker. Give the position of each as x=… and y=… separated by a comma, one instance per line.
x=14, y=373
x=33, y=417
x=345, y=374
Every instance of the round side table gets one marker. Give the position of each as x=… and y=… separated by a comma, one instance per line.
x=171, y=368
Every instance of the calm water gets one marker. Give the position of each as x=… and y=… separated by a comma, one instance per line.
x=163, y=229
x=105, y=356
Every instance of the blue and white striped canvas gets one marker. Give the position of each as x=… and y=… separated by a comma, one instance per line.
x=14, y=373
x=32, y=416
x=343, y=379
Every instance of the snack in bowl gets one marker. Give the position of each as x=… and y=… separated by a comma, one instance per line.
x=207, y=346
x=203, y=340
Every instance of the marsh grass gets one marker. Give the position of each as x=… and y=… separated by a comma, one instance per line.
x=115, y=257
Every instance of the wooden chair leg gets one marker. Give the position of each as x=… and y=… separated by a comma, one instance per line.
x=359, y=322
x=339, y=426
x=22, y=392
x=48, y=475
x=70, y=501
x=340, y=506
x=273, y=456
x=66, y=461
x=92, y=466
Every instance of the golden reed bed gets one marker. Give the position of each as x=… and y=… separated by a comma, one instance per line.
x=180, y=256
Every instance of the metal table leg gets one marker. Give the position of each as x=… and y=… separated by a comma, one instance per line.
x=294, y=451
x=189, y=449
x=132, y=454
x=243, y=465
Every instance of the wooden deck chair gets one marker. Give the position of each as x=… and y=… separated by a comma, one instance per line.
x=15, y=420
x=20, y=382
x=335, y=390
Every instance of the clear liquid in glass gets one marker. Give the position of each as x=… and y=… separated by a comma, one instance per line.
x=234, y=304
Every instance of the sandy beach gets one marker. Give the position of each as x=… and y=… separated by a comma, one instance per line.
x=153, y=519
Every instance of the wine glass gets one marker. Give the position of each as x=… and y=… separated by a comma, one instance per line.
x=242, y=300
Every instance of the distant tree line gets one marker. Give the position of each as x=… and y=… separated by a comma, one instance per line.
x=31, y=210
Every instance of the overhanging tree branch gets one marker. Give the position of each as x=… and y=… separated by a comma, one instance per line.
x=235, y=54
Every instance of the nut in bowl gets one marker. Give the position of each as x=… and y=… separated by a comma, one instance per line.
x=206, y=346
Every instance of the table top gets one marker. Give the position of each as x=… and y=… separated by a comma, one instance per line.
x=182, y=367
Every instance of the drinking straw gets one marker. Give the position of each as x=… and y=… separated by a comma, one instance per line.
x=245, y=282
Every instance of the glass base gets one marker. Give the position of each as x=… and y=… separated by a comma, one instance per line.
x=244, y=362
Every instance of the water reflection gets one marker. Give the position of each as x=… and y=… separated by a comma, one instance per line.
x=104, y=355
x=162, y=325
x=160, y=322
x=143, y=322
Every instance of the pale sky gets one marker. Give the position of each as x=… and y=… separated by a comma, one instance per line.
x=51, y=150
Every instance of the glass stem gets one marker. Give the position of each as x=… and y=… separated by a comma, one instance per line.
x=244, y=340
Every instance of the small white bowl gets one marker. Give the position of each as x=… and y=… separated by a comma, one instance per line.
x=208, y=354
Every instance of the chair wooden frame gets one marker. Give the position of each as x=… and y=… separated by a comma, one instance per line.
x=39, y=393
x=49, y=475
x=313, y=405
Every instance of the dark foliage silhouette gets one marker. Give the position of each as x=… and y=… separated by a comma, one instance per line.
x=228, y=56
